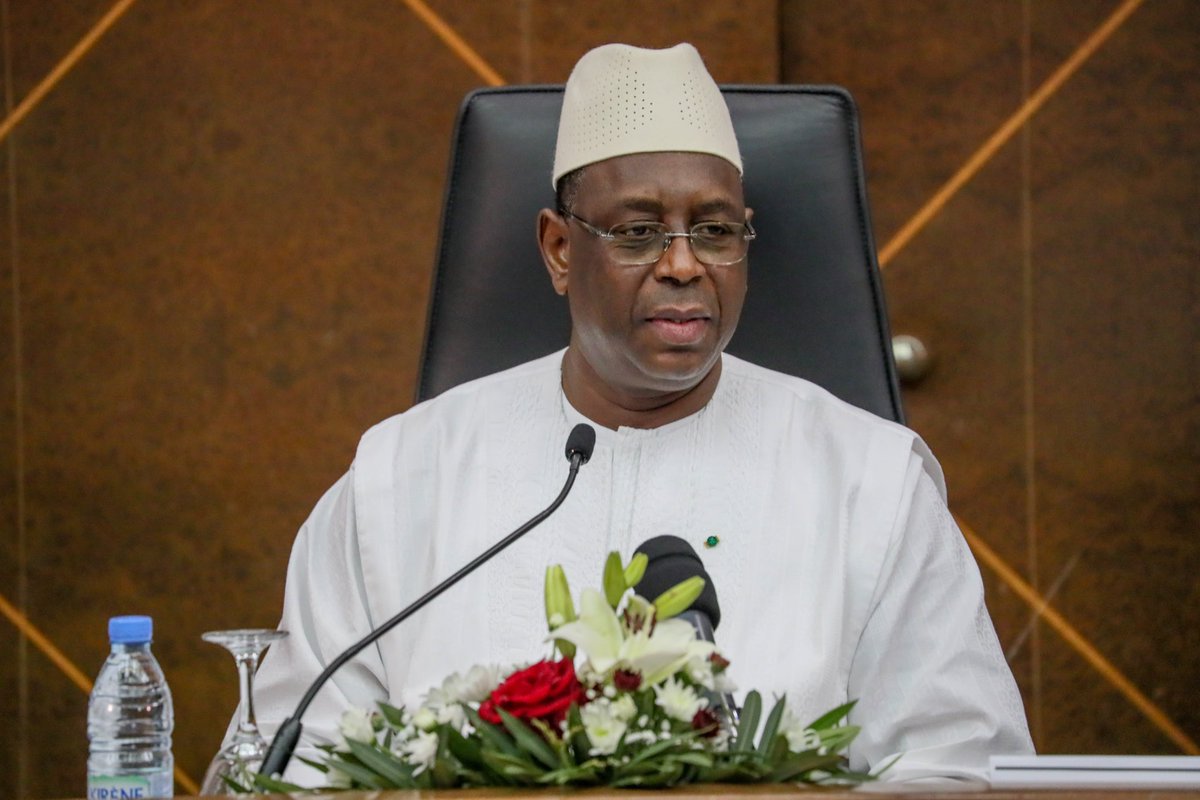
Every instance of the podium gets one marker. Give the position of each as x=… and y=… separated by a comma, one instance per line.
x=771, y=791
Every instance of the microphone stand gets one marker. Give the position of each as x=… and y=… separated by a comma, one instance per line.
x=284, y=743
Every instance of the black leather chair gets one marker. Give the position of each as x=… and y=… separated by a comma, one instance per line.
x=815, y=303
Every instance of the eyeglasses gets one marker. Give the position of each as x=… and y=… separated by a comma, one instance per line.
x=717, y=244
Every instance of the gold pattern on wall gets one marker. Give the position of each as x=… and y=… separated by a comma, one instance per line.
x=455, y=42
x=1042, y=609
x=1005, y=132
x=228, y=136
x=64, y=66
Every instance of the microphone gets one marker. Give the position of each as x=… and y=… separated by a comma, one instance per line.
x=671, y=560
x=580, y=444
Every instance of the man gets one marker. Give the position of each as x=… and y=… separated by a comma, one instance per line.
x=840, y=571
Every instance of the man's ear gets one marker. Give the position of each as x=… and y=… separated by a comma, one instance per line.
x=555, y=247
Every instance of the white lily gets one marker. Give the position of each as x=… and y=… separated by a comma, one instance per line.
x=596, y=631
x=655, y=656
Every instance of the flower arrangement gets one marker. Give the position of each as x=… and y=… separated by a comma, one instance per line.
x=627, y=698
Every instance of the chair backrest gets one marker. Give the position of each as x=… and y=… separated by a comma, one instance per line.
x=815, y=304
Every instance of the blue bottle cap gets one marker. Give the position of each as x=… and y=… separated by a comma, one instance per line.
x=130, y=630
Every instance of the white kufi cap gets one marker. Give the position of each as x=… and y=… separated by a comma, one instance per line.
x=621, y=100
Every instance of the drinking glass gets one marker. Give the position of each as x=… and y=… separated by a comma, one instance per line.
x=245, y=750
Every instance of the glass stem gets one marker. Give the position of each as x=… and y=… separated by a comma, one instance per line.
x=246, y=664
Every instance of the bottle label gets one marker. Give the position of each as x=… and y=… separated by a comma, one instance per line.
x=129, y=787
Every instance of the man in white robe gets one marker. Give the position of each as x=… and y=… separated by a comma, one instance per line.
x=840, y=572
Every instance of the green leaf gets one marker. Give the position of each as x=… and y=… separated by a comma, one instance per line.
x=491, y=735
x=581, y=745
x=387, y=766
x=653, y=750
x=772, y=726
x=237, y=787
x=718, y=773
x=317, y=765
x=748, y=722
x=794, y=768
x=556, y=743
x=392, y=715
x=645, y=702
x=838, y=739
x=666, y=775
x=584, y=774
x=849, y=776
x=777, y=750
x=468, y=751
x=444, y=772
x=265, y=784
x=614, y=580
x=512, y=767
x=359, y=774
x=529, y=741
x=697, y=758
x=635, y=570
x=832, y=717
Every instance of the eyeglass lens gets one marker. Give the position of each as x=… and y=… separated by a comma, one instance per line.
x=712, y=243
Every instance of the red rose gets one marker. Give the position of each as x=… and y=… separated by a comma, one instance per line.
x=706, y=723
x=543, y=691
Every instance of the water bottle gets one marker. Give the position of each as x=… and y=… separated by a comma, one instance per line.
x=130, y=719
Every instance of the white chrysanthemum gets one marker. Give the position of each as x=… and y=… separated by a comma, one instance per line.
x=624, y=708
x=356, y=726
x=444, y=705
x=474, y=687
x=603, y=727
x=425, y=718
x=677, y=700
x=453, y=715
x=699, y=669
x=420, y=751
x=799, y=736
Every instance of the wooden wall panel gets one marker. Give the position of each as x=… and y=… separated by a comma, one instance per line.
x=1114, y=191
x=227, y=213
x=932, y=81
x=225, y=217
x=1057, y=293
x=12, y=646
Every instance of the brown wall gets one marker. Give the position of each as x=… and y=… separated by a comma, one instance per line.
x=1058, y=292
x=217, y=232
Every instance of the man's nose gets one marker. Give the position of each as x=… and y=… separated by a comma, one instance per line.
x=679, y=263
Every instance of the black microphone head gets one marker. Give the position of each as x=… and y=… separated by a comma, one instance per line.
x=671, y=560
x=582, y=442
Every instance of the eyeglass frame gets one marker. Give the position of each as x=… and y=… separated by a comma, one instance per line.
x=669, y=236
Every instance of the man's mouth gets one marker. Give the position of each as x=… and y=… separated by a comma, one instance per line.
x=680, y=326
